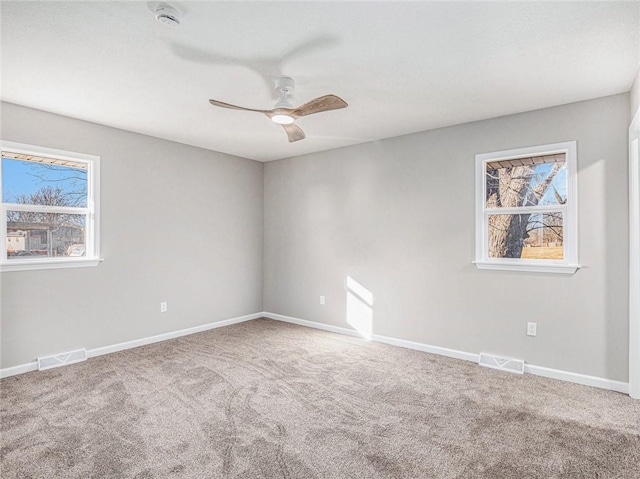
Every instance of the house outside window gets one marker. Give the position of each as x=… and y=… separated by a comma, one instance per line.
x=526, y=209
x=50, y=208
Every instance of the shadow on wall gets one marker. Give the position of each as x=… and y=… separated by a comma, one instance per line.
x=359, y=307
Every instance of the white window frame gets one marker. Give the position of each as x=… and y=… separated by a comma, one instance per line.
x=92, y=212
x=569, y=264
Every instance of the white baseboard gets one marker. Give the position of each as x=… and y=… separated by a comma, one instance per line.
x=20, y=369
x=577, y=378
x=173, y=334
x=91, y=353
x=568, y=376
x=427, y=348
x=313, y=324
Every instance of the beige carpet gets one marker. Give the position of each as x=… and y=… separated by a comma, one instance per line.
x=265, y=399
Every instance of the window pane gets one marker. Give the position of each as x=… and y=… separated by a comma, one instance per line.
x=33, y=182
x=44, y=234
x=539, y=180
x=535, y=236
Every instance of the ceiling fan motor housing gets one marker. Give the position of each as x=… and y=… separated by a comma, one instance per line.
x=285, y=85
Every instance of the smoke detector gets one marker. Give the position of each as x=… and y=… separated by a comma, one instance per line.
x=168, y=16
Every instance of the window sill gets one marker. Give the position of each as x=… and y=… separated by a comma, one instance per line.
x=530, y=268
x=26, y=265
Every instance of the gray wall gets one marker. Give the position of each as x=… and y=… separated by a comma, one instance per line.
x=398, y=217
x=395, y=215
x=634, y=96
x=179, y=224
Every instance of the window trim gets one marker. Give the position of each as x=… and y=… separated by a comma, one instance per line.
x=569, y=264
x=92, y=210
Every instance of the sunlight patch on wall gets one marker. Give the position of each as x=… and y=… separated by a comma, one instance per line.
x=359, y=307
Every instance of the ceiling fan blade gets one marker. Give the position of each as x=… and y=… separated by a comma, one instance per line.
x=293, y=132
x=235, y=107
x=318, y=105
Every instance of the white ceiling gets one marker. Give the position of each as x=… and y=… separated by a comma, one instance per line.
x=402, y=67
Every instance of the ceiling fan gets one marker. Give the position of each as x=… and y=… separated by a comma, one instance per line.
x=285, y=114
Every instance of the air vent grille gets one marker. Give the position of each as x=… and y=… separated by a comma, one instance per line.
x=501, y=363
x=62, y=359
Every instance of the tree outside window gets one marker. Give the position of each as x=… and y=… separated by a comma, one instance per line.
x=526, y=211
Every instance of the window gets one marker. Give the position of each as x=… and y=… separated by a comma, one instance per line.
x=526, y=209
x=50, y=208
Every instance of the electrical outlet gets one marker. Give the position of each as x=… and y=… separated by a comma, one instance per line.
x=163, y=307
x=322, y=300
x=532, y=329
